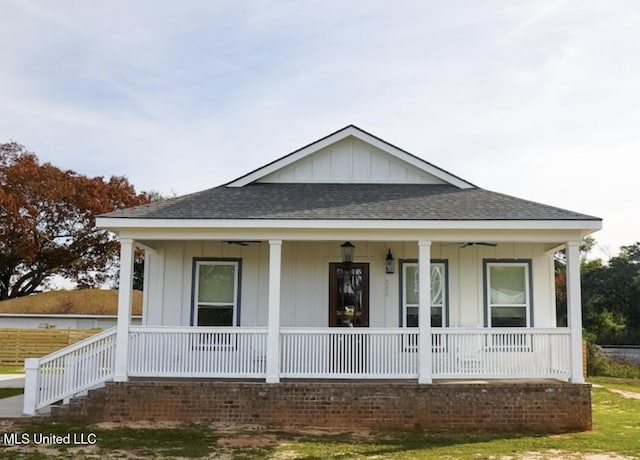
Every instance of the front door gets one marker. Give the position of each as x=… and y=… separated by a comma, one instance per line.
x=349, y=294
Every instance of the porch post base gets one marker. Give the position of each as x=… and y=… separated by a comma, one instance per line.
x=425, y=380
x=121, y=378
x=273, y=379
x=576, y=379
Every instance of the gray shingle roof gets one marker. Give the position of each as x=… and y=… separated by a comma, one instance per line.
x=348, y=201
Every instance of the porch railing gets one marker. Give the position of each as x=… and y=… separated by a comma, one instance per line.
x=501, y=353
x=322, y=353
x=348, y=353
x=70, y=371
x=197, y=352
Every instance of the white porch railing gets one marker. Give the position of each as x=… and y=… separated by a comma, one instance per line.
x=197, y=352
x=348, y=353
x=501, y=353
x=70, y=371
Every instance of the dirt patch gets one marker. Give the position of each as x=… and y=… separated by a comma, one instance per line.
x=248, y=440
x=141, y=424
x=560, y=455
x=626, y=394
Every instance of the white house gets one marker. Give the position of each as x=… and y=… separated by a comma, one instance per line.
x=314, y=267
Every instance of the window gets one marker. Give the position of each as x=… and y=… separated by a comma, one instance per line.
x=215, y=292
x=411, y=290
x=508, y=293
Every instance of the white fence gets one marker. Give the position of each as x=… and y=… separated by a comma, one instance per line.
x=501, y=353
x=351, y=353
x=348, y=353
x=197, y=352
x=70, y=371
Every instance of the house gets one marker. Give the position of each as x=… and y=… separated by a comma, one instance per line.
x=76, y=309
x=295, y=294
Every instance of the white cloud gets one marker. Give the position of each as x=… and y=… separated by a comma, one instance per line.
x=536, y=99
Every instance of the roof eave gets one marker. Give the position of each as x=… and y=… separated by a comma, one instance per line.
x=117, y=224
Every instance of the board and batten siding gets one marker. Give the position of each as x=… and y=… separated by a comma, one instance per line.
x=351, y=161
x=305, y=280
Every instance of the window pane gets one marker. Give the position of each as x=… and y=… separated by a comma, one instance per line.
x=215, y=316
x=436, y=316
x=508, y=285
x=436, y=284
x=412, y=316
x=216, y=283
x=508, y=317
x=411, y=284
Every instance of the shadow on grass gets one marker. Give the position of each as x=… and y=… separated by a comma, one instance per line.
x=386, y=443
x=201, y=441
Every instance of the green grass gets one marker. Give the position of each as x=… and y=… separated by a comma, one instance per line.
x=617, y=383
x=8, y=392
x=616, y=429
x=11, y=369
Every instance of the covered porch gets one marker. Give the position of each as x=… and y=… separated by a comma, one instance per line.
x=275, y=352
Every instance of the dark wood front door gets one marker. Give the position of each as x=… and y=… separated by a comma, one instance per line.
x=349, y=294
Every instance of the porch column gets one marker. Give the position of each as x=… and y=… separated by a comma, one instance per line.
x=273, y=335
x=127, y=250
x=574, y=309
x=424, y=311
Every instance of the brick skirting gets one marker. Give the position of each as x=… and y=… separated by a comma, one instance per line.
x=501, y=406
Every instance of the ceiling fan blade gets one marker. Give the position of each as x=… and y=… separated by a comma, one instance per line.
x=477, y=243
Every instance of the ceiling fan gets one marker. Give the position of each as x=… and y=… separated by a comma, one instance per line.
x=243, y=242
x=477, y=243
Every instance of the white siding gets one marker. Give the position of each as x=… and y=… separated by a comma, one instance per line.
x=60, y=322
x=305, y=280
x=351, y=161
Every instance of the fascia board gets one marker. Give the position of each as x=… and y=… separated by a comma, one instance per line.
x=112, y=223
x=338, y=136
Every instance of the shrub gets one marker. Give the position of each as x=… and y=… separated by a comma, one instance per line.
x=599, y=364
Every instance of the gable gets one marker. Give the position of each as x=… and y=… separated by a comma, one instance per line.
x=351, y=160
x=350, y=155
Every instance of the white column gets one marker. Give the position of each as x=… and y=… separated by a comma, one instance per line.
x=31, y=386
x=127, y=252
x=574, y=309
x=273, y=335
x=424, y=311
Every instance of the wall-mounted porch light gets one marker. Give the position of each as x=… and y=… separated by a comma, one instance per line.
x=347, y=249
x=389, y=263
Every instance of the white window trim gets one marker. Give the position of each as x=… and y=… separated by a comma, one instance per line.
x=195, y=305
x=445, y=284
x=488, y=264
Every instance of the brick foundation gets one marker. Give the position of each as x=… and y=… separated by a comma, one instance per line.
x=500, y=406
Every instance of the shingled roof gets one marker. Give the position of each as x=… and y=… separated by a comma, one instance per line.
x=315, y=201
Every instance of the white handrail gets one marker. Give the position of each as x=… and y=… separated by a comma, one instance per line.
x=70, y=371
x=197, y=352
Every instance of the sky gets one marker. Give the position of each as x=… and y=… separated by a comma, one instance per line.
x=538, y=99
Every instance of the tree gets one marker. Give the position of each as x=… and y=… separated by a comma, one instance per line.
x=611, y=298
x=47, y=223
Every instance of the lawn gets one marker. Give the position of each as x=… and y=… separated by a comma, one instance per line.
x=11, y=369
x=616, y=430
x=8, y=392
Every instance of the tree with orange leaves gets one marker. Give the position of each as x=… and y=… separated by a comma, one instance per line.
x=47, y=223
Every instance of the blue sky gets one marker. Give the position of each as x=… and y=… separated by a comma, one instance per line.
x=537, y=99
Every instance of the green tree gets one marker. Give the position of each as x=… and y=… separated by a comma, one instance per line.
x=47, y=223
x=611, y=298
